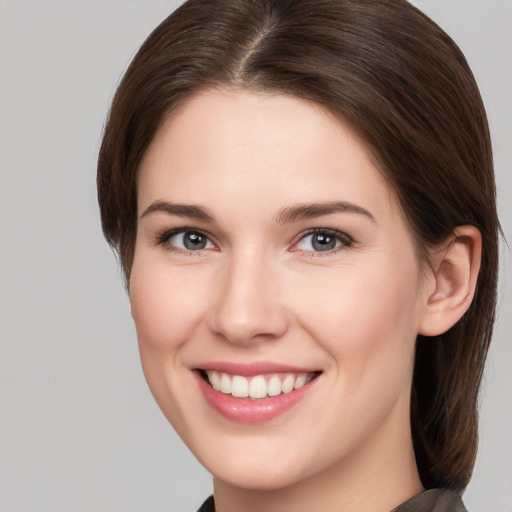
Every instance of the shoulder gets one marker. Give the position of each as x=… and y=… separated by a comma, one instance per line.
x=433, y=500
x=208, y=505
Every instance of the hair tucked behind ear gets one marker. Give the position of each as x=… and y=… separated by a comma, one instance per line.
x=404, y=84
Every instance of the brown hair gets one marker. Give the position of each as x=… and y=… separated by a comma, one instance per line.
x=405, y=85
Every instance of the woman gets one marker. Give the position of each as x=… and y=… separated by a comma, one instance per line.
x=301, y=193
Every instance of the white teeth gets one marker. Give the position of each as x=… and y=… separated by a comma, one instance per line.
x=300, y=381
x=215, y=381
x=225, y=384
x=288, y=383
x=274, y=386
x=258, y=386
x=239, y=386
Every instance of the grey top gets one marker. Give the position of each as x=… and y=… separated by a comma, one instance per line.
x=434, y=500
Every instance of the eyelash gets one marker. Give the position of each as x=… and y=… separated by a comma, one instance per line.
x=345, y=240
x=163, y=239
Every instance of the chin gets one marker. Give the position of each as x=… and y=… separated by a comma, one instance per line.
x=245, y=475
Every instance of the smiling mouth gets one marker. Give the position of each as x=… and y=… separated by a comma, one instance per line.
x=257, y=386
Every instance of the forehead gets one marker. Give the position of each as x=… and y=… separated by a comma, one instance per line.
x=247, y=143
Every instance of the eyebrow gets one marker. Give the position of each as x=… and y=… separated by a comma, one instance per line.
x=182, y=210
x=311, y=210
x=286, y=215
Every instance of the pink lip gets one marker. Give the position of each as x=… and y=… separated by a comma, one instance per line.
x=246, y=410
x=252, y=369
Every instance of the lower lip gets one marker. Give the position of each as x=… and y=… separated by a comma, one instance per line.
x=247, y=410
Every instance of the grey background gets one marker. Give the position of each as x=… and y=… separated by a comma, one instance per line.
x=78, y=428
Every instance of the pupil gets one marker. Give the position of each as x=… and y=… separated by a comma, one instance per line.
x=194, y=241
x=324, y=242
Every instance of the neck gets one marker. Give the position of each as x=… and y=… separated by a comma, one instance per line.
x=376, y=477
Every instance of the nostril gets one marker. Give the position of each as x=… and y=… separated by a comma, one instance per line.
x=247, y=308
x=260, y=327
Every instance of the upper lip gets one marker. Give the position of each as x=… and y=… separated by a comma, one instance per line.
x=252, y=369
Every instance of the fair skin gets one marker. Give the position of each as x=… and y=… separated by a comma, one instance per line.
x=246, y=282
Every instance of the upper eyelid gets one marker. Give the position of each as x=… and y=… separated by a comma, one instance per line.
x=165, y=235
x=331, y=231
x=176, y=231
x=335, y=232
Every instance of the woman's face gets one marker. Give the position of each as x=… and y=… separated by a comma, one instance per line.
x=271, y=254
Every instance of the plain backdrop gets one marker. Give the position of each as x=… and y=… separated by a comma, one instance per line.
x=78, y=428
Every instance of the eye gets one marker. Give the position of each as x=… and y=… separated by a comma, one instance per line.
x=322, y=240
x=186, y=240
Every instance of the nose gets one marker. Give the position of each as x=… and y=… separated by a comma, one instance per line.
x=249, y=307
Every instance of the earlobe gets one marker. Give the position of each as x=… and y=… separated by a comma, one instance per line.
x=455, y=271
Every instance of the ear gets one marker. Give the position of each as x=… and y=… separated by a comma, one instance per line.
x=455, y=266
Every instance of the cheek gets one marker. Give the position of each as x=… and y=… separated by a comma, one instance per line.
x=166, y=312
x=364, y=316
x=165, y=307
